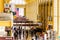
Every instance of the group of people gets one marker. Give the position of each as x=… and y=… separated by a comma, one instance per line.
x=20, y=33
x=17, y=31
x=23, y=34
x=49, y=34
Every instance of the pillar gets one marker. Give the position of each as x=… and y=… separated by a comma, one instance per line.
x=1, y=6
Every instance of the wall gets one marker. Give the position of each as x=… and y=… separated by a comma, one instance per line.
x=58, y=13
x=19, y=6
x=32, y=11
x=6, y=1
x=57, y=17
x=1, y=6
x=29, y=1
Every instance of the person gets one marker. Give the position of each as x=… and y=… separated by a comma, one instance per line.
x=15, y=34
x=26, y=34
x=36, y=36
x=33, y=38
x=42, y=35
x=45, y=36
x=23, y=33
x=19, y=33
x=50, y=33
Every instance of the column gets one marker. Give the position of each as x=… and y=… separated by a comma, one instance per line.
x=1, y=6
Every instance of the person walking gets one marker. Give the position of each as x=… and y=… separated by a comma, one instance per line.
x=15, y=35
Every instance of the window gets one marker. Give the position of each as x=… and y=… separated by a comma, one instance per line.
x=21, y=11
x=19, y=1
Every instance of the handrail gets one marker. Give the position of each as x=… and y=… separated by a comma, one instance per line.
x=27, y=24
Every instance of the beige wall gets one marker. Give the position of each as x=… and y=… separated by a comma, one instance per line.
x=32, y=11
x=58, y=13
x=57, y=17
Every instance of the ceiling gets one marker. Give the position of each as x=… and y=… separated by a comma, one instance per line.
x=6, y=1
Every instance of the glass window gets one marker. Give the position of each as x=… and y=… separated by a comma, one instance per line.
x=19, y=1
x=21, y=11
